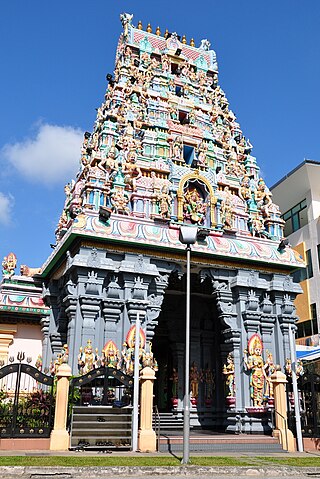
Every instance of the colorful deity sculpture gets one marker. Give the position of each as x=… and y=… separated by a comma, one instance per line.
x=38, y=363
x=164, y=200
x=263, y=198
x=194, y=206
x=255, y=365
x=175, y=382
x=299, y=368
x=110, y=355
x=62, y=358
x=269, y=369
x=194, y=381
x=227, y=209
x=87, y=359
x=120, y=201
x=208, y=379
x=9, y=264
x=148, y=359
x=228, y=372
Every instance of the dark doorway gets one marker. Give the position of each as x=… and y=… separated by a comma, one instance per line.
x=206, y=353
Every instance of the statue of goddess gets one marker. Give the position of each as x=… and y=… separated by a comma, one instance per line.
x=228, y=371
x=255, y=364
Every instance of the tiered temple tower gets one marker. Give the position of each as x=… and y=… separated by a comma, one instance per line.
x=166, y=150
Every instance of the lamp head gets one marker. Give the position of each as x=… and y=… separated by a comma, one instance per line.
x=188, y=234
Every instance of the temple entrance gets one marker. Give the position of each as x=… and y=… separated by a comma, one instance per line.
x=207, y=353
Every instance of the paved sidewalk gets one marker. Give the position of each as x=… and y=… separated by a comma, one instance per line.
x=173, y=471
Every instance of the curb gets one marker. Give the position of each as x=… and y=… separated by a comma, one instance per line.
x=22, y=472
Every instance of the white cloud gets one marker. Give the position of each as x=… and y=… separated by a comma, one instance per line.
x=6, y=204
x=51, y=156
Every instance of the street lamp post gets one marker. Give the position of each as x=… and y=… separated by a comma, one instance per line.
x=187, y=236
x=293, y=356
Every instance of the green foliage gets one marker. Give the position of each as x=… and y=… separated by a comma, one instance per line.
x=33, y=410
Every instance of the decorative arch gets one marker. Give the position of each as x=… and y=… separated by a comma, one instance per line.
x=180, y=194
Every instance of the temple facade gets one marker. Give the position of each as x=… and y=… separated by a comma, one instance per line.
x=166, y=150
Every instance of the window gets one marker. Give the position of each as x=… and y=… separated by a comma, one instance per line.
x=299, y=275
x=188, y=154
x=310, y=327
x=183, y=117
x=314, y=320
x=318, y=251
x=309, y=264
x=175, y=69
x=179, y=91
x=295, y=218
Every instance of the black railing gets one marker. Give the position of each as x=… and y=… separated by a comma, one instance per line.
x=26, y=401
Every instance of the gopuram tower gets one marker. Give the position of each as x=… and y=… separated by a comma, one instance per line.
x=166, y=150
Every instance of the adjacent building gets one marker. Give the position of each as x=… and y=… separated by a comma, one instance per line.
x=298, y=196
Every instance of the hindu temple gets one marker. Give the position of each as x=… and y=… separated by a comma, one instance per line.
x=166, y=151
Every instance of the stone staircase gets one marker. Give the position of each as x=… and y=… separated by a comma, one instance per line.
x=170, y=438
x=207, y=441
x=100, y=427
x=169, y=421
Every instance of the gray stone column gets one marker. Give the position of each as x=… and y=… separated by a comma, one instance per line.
x=232, y=333
x=112, y=307
x=233, y=337
x=284, y=291
x=111, y=311
x=90, y=307
x=267, y=325
x=70, y=303
x=45, y=324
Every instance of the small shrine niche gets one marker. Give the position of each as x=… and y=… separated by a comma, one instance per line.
x=196, y=201
x=195, y=206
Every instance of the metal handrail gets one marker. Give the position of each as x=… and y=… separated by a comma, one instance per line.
x=285, y=426
x=157, y=424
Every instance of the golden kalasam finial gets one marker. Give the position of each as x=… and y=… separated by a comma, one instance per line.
x=166, y=33
x=158, y=32
x=192, y=44
x=139, y=26
x=149, y=29
x=184, y=40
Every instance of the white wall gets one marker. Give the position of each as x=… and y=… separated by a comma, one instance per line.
x=27, y=339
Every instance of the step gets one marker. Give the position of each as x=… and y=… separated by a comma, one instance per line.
x=101, y=434
x=94, y=444
x=106, y=417
x=98, y=410
x=101, y=426
x=230, y=443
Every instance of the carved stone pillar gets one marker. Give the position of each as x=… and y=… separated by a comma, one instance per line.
x=71, y=303
x=111, y=311
x=90, y=307
x=56, y=343
x=155, y=300
x=283, y=291
x=233, y=337
x=286, y=318
x=251, y=315
x=45, y=324
x=231, y=333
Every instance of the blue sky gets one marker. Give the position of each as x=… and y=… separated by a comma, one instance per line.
x=54, y=58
